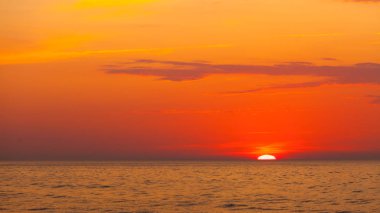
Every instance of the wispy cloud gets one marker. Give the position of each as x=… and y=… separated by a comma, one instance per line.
x=329, y=59
x=87, y=4
x=302, y=35
x=284, y=86
x=375, y=99
x=364, y=0
x=363, y=73
x=41, y=56
x=48, y=55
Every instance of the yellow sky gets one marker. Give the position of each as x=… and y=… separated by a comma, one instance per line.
x=259, y=31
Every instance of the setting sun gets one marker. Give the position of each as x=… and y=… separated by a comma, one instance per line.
x=266, y=157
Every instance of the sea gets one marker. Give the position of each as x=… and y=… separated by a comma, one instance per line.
x=190, y=186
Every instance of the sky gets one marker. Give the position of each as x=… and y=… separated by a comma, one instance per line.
x=189, y=79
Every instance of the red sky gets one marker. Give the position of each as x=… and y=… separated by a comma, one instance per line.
x=165, y=79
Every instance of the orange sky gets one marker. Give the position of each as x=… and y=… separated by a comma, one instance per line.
x=199, y=79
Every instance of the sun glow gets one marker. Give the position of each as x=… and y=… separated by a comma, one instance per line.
x=266, y=157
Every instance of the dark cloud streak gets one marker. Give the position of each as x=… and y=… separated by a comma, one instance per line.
x=285, y=86
x=364, y=0
x=375, y=99
x=363, y=73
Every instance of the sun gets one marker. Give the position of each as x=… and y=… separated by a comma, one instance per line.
x=266, y=157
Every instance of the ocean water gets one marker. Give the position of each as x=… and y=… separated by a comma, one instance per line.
x=288, y=186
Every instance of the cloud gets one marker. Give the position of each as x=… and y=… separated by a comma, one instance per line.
x=285, y=86
x=47, y=55
x=305, y=35
x=375, y=99
x=363, y=73
x=40, y=56
x=365, y=0
x=86, y=4
x=329, y=59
